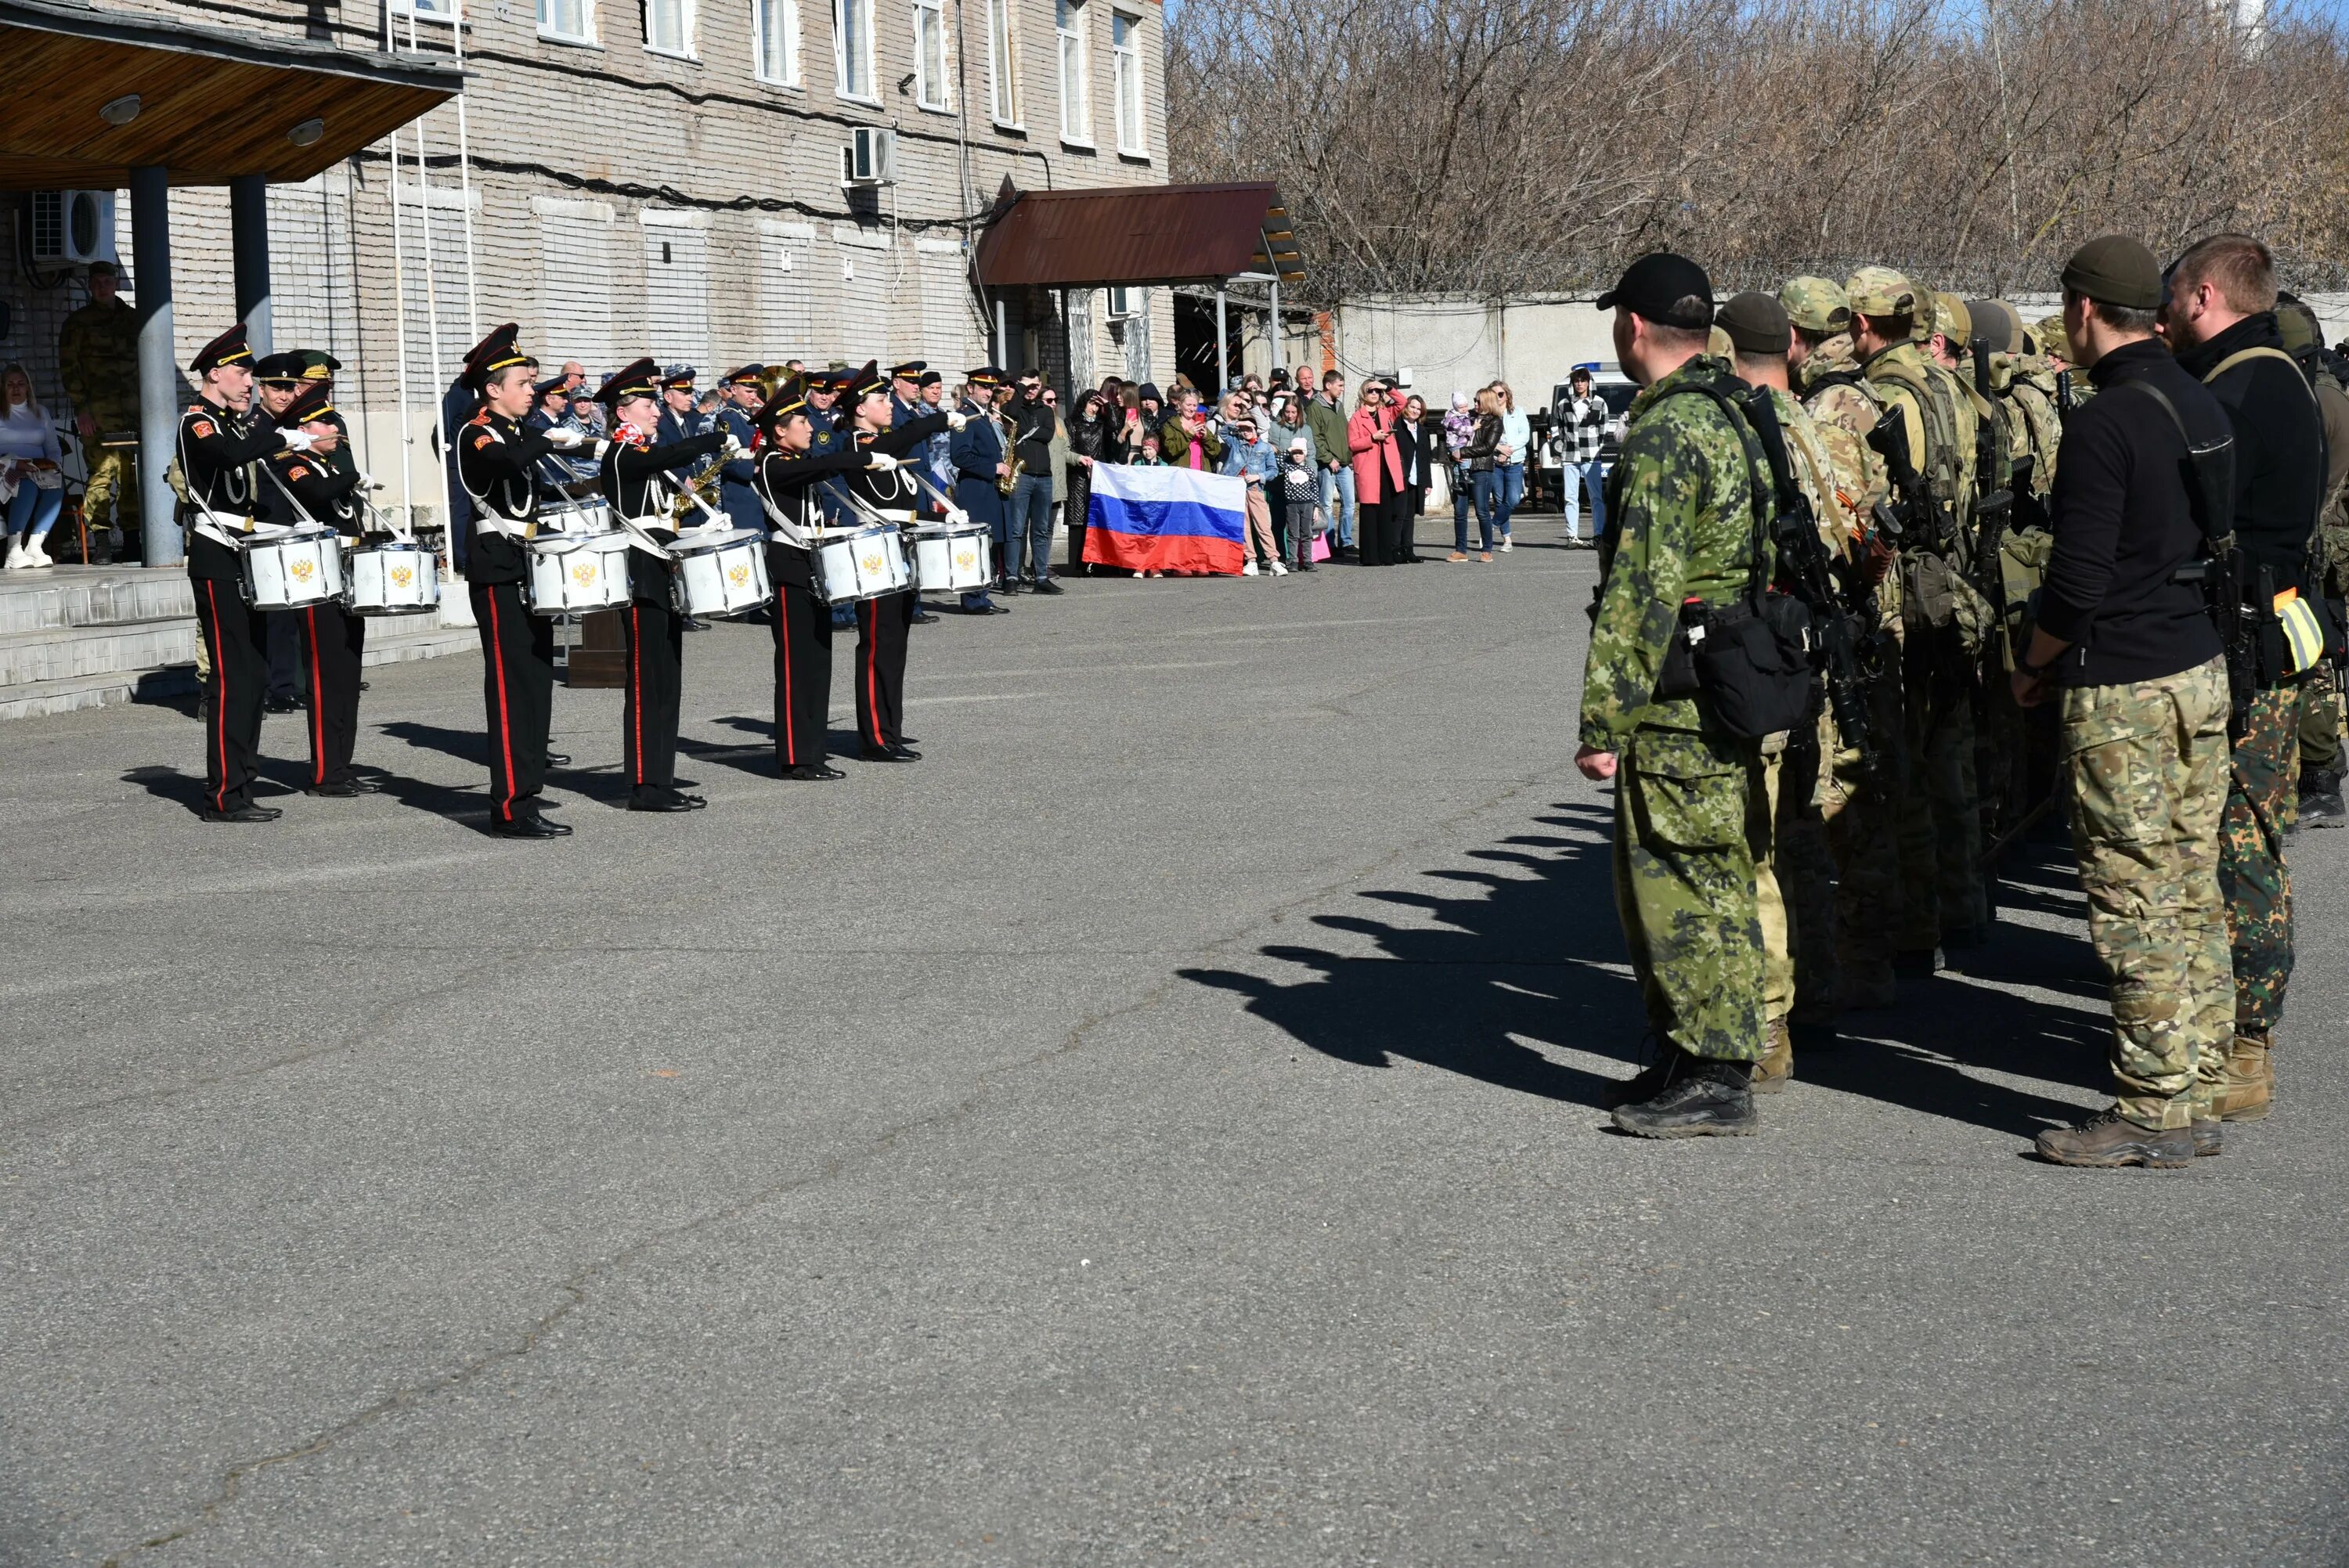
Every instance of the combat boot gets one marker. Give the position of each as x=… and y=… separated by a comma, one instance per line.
x=1777, y=1067
x=1650, y=1080
x=2247, y=1083
x=1707, y=1099
x=1918, y=963
x=2109, y=1139
x=2320, y=799
x=1867, y=991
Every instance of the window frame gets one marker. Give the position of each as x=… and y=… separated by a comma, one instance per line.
x=441, y=11
x=587, y=39
x=943, y=102
x=1080, y=99
x=1003, y=65
x=760, y=10
x=687, y=26
x=1125, y=58
x=872, y=95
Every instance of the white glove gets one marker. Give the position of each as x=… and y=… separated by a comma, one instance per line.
x=956, y=420
x=880, y=460
x=296, y=439
x=732, y=448
x=598, y=446
x=956, y=516
x=564, y=438
x=369, y=481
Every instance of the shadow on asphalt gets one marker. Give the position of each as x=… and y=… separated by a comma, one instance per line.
x=1517, y=961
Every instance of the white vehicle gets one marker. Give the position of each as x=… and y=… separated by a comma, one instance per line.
x=1549, y=475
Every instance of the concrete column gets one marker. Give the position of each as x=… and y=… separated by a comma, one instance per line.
x=158, y=372
x=1279, y=355
x=1002, y=337
x=248, y=220
x=1223, y=345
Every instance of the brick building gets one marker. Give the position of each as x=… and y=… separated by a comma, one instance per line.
x=666, y=177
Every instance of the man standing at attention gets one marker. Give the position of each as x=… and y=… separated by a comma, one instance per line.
x=97, y=358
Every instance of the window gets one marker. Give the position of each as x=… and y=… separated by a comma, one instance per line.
x=1003, y=61
x=930, y=54
x=1076, y=81
x=852, y=47
x=668, y=26
x=426, y=10
x=572, y=20
x=1126, y=47
x=775, y=33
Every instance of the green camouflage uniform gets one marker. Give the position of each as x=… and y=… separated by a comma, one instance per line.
x=2261, y=807
x=1940, y=832
x=2147, y=763
x=97, y=359
x=2320, y=696
x=1690, y=813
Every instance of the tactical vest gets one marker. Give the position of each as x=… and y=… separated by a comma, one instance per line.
x=1942, y=462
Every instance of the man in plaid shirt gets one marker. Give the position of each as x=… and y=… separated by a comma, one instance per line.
x=1582, y=424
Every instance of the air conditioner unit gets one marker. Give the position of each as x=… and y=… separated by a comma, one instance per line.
x=870, y=157
x=1124, y=304
x=73, y=226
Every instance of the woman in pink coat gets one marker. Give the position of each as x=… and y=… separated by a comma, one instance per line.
x=1378, y=477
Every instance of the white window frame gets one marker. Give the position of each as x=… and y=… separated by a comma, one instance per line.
x=686, y=20
x=424, y=10
x=1126, y=68
x=585, y=37
x=872, y=93
x=1003, y=64
x=1068, y=40
x=936, y=95
x=762, y=12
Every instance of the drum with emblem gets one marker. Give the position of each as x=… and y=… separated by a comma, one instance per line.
x=720, y=572
x=951, y=558
x=853, y=564
x=291, y=571
x=395, y=577
x=577, y=572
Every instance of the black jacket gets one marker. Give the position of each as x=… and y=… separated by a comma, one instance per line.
x=2279, y=448
x=2124, y=524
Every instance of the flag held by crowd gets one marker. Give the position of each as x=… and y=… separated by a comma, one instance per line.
x=1167, y=520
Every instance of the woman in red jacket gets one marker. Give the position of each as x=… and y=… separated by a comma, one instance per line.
x=1377, y=476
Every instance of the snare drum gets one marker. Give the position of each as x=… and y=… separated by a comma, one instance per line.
x=398, y=577
x=577, y=573
x=292, y=570
x=720, y=572
x=951, y=558
x=851, y=564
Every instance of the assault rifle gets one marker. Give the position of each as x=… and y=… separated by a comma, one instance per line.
x=2065, y=399
x=1994, y=507
x=1804, y=565
x=1910, y=516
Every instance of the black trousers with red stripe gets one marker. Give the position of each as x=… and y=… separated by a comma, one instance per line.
x=802, y=673
x=237, y=638
x=655, y=636
x=883, y=626
x=518, y=690
x=332, y=642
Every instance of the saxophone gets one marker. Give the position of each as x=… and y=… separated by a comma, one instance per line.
x=1008, y=478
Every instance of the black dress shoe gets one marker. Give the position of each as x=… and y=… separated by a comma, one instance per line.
x=1046, y=586
x=671, y=801
x=992, y=610
x=923, y=618
x=693, y=626
x=558, y=759
x=339, y=790
x=1008, y=586
x=814, y=772
x=243, y=814
x=532, y=828
x=893, y=754
x=282, y=704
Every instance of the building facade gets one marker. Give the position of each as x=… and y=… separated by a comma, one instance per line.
x=666, y=177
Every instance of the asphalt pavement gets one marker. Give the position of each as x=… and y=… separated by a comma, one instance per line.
x=1160, y=1125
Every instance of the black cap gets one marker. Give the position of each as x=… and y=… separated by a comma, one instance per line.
x=497, y=351
x=2114, y=269
x=636, y=380
x=911, y=370
x=553, y=386
x=279, y=369
x=932, y=378
x=1755, y=324
x=867, y=383
x=678, y=378
x=1653, y=288
x=985, y=375
x=315, y=402
x=743, y=376
x=790, y=398
x=228, y=348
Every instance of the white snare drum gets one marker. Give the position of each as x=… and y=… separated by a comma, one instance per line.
x=857, y=563
x=577, y=573
x=292, y=570
x=398, y=577
x=951, y=558
x=722, y=572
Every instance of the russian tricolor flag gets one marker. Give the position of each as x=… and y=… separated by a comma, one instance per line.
x=1167, y=520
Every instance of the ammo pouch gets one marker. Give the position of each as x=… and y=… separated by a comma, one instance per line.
x=1936, y=597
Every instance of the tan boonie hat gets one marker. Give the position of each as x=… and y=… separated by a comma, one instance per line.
x=1815, y=304
x=1879, y=291
x=1952, y=320
x=2051, y=342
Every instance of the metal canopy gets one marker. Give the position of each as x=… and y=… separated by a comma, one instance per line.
x=212, y=105
x=1137, y=236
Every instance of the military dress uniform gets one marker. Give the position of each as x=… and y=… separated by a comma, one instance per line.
x=975, y=451
x=738, y=496
x=280, y=375
x=498, y=462
x=785, y=483
x=333, y=641
x=217, y=447
x=904, y=410
x=882, y=623
x=638, y=484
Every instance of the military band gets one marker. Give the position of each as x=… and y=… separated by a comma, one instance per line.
x=320, y=487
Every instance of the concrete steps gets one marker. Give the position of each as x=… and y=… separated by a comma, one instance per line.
x=73, y=637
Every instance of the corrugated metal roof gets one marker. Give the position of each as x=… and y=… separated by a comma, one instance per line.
x=1138, y=235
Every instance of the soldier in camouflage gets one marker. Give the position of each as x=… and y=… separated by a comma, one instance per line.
x=97, y=359
x=2319, y=699
x=1691, y=819
x=1943, y=902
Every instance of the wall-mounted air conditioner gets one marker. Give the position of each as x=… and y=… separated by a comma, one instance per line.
x=73, y=227
x=870, y=157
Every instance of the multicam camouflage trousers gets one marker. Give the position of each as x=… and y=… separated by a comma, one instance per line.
x=2147, y=763
x=1691, y=827
x=2262, y=802
x=2320, y=720
x=1861, y=802
x=113, y=486
x=1796, y=889
x=1941, y=819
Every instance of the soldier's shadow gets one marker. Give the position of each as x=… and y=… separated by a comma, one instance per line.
x=1501, y=980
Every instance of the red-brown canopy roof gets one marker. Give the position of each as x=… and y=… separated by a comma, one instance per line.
x=1137, y=235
